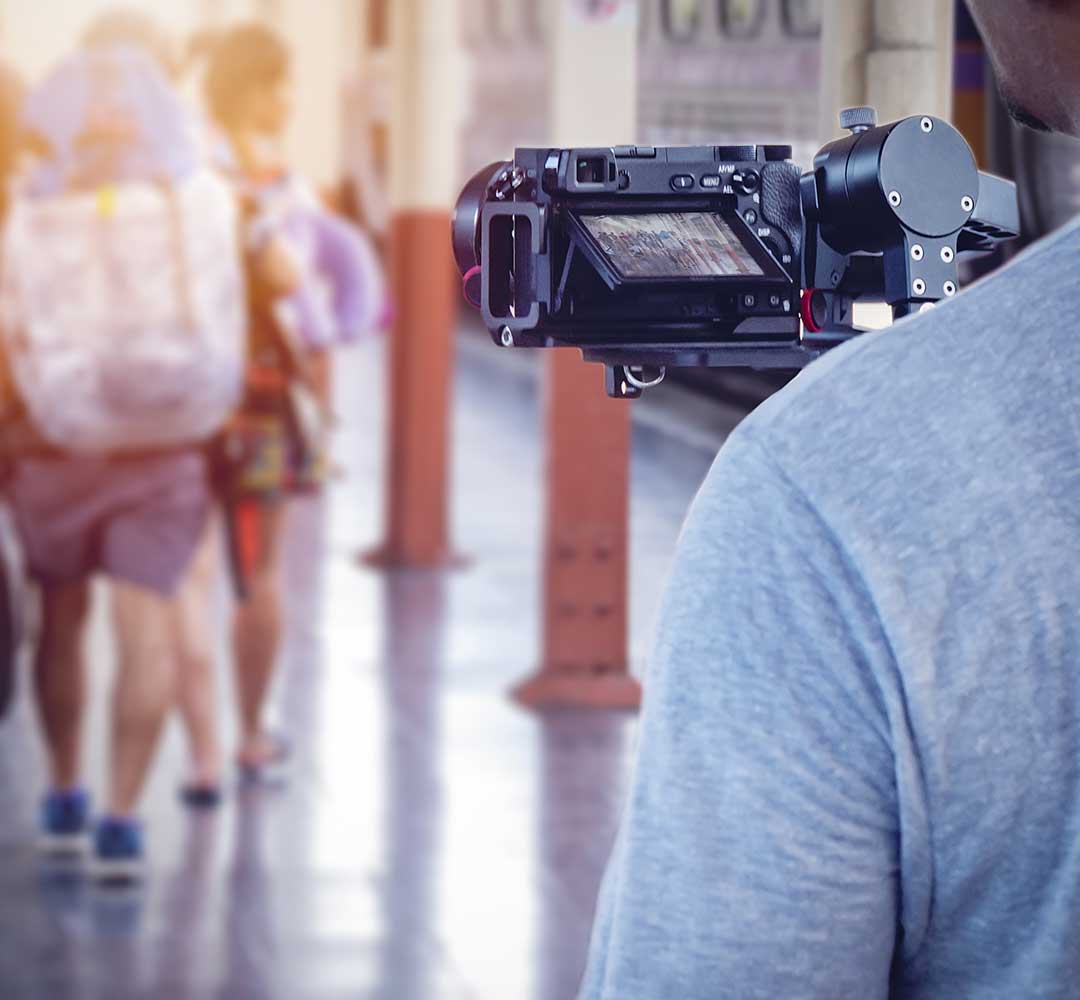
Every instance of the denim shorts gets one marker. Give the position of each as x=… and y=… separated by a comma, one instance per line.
x=136, y=519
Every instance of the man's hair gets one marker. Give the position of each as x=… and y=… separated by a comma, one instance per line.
x=131, y=26
x=244, y=60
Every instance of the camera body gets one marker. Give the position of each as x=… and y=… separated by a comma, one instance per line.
x=650, y=257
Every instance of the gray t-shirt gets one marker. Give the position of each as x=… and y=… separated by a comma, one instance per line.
x=859, y=762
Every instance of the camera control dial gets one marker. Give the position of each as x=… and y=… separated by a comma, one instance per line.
x=746, y=181
x=857, y=120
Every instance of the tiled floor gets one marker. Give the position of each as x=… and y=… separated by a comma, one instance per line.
x=435, y=841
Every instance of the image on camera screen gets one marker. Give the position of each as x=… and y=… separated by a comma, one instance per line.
x=672, y=245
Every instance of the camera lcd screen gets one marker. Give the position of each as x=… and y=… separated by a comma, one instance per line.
x=672, y=245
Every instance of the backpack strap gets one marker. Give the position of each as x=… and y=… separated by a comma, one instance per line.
x=178, y=231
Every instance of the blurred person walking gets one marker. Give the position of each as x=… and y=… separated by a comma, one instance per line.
x=189, y=626
x=11, y=95
x=115, y=479
x=315, y=282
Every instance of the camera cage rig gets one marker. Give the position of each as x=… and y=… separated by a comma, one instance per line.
x=722, y=256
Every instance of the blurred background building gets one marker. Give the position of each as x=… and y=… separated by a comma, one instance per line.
x=438, y=840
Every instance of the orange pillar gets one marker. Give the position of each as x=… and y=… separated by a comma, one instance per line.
x=584, y=659
x=421, y=363
x=424, y=176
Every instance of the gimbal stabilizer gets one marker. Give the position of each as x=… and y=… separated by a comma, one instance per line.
x=649, y=257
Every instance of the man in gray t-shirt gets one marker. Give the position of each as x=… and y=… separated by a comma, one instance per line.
x=859, y=767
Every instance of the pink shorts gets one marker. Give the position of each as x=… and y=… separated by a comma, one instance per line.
x=137, y=519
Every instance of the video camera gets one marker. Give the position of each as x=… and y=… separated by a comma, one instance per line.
x=722, y=256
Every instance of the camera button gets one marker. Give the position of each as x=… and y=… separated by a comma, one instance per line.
x=747, y=181
x=710, y=181
x=749, y=300
x=645, y=152
x=682, y=182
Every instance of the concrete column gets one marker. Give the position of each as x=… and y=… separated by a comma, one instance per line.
x=846, y=36
x=593, y=71
x=325, y=46
x=593, y=77
x=909, y=69
x=427, y=105
x=367, y=110
x=425, y=124
x=893, y=54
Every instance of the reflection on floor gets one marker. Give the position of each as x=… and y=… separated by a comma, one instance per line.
x=435, y=841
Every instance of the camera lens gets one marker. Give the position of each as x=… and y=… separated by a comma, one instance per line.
x=466, y=222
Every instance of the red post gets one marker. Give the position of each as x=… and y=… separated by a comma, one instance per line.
x=418, y=409
x=593, y=50
x=427, y=87
x=585, y=661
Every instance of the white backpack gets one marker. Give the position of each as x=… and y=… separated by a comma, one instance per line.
x=124, y=313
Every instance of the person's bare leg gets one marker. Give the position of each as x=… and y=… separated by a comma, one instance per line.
x=192, y=639
x=144, y=691
x=257, y=632
x=60, y=678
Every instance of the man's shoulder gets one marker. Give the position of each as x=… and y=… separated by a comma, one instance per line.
x=877, y=399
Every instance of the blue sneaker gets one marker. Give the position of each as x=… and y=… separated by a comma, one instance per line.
x=118, y=851
x=65, y=823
